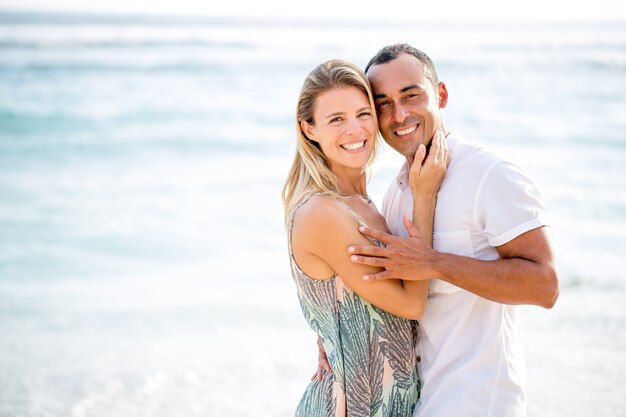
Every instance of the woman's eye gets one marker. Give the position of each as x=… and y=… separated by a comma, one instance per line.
x=365, y=114
x=336, y=119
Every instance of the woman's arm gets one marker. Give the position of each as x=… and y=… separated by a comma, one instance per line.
x=322, y=231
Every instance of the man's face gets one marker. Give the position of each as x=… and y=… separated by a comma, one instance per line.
x=407, y=104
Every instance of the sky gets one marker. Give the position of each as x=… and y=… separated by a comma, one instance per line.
x=562, y=10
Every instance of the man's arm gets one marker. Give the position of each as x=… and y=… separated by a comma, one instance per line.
x=525, y=274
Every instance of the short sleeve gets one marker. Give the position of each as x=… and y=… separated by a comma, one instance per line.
x=508, y=204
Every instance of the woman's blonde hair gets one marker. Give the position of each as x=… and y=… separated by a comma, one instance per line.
x=310, y=171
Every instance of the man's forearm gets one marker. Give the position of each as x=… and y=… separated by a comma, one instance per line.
x=506, y=281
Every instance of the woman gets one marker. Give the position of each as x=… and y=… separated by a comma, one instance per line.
x=367, y=328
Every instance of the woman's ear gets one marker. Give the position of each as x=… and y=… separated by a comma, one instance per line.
x=309, y=130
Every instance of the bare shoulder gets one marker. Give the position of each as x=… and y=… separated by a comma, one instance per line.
x=317, y=203
x=322, y=216
x=322, y=231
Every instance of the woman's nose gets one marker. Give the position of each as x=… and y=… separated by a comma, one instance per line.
x=353, y=127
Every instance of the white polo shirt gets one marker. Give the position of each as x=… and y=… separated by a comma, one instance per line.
x=471, y=355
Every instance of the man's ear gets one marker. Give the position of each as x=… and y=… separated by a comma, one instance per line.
x=442, y=92
x=309, y=130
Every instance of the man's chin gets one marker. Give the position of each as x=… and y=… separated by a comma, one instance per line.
x=407, y=151
x=406, y=147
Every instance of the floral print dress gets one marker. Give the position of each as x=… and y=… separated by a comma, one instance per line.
x=371, y=352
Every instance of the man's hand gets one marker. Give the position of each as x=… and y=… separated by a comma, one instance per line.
x=322, y=361
x=425, y=176
x=407, y=258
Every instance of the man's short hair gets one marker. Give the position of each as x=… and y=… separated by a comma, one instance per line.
x=391, y=52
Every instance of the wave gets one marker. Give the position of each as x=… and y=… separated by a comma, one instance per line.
x=32, y=30
x=16, y=16
x=82, y=67
x=112, y=38
x=24, y=136
x=191, y=66
x=78, y=44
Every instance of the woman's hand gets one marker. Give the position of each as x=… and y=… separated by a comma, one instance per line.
x=425, y=177
x=322, y=361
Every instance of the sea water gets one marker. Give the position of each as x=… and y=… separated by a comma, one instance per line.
x=143, y=262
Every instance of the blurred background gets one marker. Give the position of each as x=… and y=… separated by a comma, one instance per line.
x=143, y=260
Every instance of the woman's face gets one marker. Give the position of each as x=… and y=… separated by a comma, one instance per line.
x=345, y=127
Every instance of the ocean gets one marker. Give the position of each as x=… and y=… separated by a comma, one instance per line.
x=143, y=260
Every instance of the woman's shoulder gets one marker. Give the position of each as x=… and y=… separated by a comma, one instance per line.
x=321, y=210
x=323, y=220
x=321, y=230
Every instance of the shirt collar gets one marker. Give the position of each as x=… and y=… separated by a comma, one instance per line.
x=454, y=140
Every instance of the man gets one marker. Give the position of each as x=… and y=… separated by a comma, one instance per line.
x=490, y=249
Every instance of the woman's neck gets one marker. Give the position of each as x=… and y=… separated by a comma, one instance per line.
x=353, y=186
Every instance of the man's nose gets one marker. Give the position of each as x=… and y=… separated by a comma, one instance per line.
x=399, y=113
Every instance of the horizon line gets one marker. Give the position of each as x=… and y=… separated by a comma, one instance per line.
x=203, y=16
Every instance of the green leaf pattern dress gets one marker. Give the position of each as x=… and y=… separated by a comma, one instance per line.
x=371, y=352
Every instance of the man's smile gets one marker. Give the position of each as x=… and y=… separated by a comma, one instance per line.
x=406, y=131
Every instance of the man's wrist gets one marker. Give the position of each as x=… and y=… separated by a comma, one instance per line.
x=423, y=202
x=436, y=265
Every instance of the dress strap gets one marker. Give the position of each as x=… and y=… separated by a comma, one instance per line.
x=347, y=207
x=292, y=214
x=339, y=200
x=359, y=221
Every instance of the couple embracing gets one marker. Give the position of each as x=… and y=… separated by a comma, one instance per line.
x=415, y=306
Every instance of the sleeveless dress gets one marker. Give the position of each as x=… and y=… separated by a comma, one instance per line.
x=371, y=352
